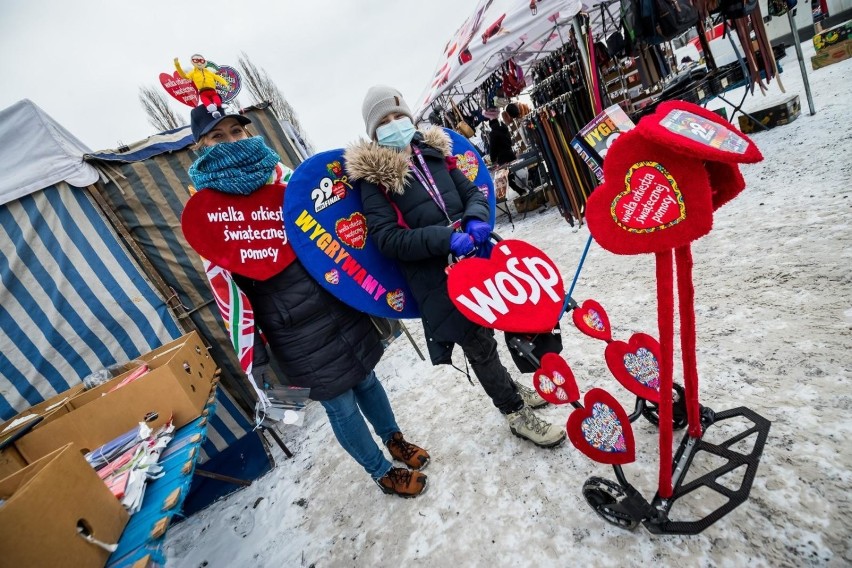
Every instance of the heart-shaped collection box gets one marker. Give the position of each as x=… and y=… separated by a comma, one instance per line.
x=665, y=178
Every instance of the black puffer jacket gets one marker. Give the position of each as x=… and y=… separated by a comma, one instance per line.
x=421, y=247
x=318, y=341
x=500, y=145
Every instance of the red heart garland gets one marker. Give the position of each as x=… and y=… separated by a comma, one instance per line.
x=352, y=230
x=601, y=429
x=636, y=365
x=591, y=319
x=519, y=289
x=555, y=381
x=241, y=233
x=181, y=89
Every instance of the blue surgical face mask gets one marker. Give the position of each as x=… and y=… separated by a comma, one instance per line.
x=397, y=133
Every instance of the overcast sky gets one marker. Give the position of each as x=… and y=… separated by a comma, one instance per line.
x=83, y=61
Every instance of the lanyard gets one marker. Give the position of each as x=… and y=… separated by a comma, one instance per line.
x=428, y=182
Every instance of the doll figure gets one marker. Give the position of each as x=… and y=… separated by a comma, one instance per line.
x=205, y=81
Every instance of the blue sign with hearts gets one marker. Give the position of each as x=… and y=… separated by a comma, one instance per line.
x=329, y=232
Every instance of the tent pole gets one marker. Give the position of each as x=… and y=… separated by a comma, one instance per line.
x=798, y=45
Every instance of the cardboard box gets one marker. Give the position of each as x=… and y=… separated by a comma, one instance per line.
x=833, y=36
x=832, y=54
x=529, y=202
x=11, y=459
x=46, y=502
x=784, y=112
x=177, y=385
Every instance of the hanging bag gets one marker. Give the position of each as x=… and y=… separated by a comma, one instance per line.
x=733, y=9
x=462, y=127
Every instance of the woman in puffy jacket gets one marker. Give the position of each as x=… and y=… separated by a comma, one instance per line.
x=420, y=209
x=319, y=342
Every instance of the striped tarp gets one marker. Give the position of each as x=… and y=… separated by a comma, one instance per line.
x=71, y=299
x=148, y=196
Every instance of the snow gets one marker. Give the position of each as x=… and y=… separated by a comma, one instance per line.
x=774, y=318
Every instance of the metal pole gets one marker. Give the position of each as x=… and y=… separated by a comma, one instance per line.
x=796, y=42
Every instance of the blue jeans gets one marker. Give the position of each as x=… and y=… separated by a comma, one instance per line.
x=345, y=415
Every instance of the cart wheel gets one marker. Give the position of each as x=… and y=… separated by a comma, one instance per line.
x=679, y=418
x=602, y=495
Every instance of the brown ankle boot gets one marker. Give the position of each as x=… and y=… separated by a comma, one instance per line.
x=402, y=482
x=413, y=456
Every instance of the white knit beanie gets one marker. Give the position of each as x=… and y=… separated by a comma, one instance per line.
x=379, y=102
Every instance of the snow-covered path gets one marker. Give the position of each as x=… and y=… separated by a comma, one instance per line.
x=773, y=288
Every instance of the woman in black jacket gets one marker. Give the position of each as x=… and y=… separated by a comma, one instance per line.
x=319, y=342
x=420, y=209
x=501, y=150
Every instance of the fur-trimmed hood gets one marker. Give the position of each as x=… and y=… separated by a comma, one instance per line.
x=388, y=167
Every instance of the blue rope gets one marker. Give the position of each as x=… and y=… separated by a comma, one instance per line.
x=576, y=277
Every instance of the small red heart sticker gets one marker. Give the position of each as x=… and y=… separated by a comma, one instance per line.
x=601, y=429
x=179, y=88
x=332, y=276
x=636, y=365
x=241, y=233
x=352, y=230
x=519, y=289
x=339, y=189
x=468, y=163
x=591, y=319
x=554, y=380
x=396, y=300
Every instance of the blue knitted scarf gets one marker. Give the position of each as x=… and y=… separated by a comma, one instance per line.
x=237, y=168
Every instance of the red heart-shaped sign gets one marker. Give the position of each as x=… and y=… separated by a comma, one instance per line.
x=653, y=199
x=554, y=380
x=241, y=233
x=601, y=429
x=650, y=200
x=181, y=89
x=591, y=319
x=518, y=289
x=636, y=365
x=352, y=230
x=697, y=132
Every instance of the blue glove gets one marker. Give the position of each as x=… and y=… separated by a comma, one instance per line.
x=461, y=244
x=484, y=250
x=479, y=230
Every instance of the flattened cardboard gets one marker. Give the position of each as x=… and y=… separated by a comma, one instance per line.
x=45, y=502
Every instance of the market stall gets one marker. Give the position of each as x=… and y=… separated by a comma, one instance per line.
x=76, y=296
x=570, y=61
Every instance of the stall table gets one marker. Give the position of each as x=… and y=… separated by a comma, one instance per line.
x=141, y=543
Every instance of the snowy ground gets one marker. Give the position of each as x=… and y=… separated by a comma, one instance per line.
x=774, y=316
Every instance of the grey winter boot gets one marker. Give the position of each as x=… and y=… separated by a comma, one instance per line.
x=525, y=424
x=530, y=396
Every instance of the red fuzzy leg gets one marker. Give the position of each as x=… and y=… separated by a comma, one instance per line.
x=665, y=322
x=686, y=307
